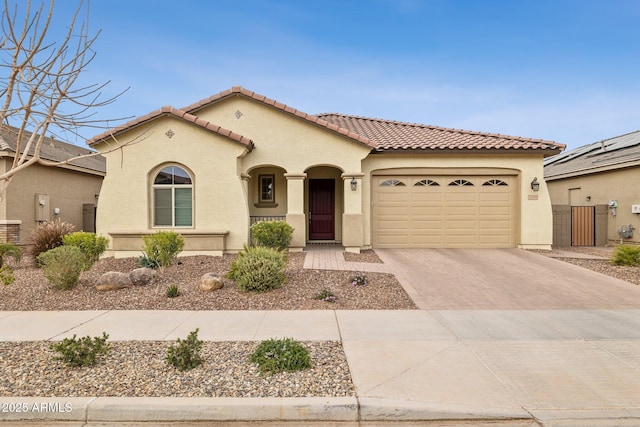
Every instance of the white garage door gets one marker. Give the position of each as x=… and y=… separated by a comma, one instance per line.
x=444, y=211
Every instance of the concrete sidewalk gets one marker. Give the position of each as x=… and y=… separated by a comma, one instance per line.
x=538, y=367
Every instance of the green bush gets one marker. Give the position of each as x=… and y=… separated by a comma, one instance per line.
x=48, y=235
x=145, y=261
x=172, y=291
x=92, y=246
x=62, y=266
x=626, y=255
x=9, y=250
x=258, y=268
x=6, y=275
x=274, y=234
x=163, y=247
x=81, y=352
x=185, y=354
x=278, y=355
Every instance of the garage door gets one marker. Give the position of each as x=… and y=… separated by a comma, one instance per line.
x=444, y=211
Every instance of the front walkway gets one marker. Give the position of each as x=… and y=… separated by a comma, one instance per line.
x=333, y=259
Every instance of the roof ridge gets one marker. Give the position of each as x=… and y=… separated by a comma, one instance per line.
x=439, y=128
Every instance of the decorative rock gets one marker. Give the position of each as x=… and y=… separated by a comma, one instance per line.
x=142, y=276
x=210, y=282
x=113, y=280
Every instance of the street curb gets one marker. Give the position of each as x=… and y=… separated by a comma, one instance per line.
x=174, y=409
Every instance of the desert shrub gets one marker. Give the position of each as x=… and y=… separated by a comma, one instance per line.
x=258, y=268
x=172, y=291
x=185, y=354
x=278, y=355
x=273, y=234
x=62, y=266
x=326, y=295
x=6, y=275
x=9, y=250
x=81, y=352
x=48, y=235
x=145, y=261
x=626, y=255
x=92, y=246
x=163, y=247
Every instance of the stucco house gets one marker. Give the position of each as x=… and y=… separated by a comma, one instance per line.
x=595, y=192
x=211, y=169
x=42, y=193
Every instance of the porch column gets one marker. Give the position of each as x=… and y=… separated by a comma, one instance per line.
x=352, y=218
x=295, y=210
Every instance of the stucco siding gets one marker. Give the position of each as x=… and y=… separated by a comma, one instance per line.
x=598, y=189
x=67, y=190
x=219, y=193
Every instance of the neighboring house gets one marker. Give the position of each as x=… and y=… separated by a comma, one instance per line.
x=213, y=168
x=42, y=193
x=594, y=189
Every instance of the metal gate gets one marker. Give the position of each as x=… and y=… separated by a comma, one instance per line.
x=583, y=225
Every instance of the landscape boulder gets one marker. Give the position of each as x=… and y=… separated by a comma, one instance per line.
x=210, y=282
x=142, y=276
x=113, y=280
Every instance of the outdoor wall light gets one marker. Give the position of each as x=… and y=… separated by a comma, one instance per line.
x=354, y=184
x=535, y=185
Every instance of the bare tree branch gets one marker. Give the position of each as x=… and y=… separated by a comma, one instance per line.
x=39, y=81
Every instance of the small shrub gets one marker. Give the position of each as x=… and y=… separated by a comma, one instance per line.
x=273, y=234
x=6, y=275
x=278, y=355
x=48, y=235
x=626, y=255
x=81, y=352
x=326, y=295
x=185, y=355
x=258, y=269
x=163, y=247
x=92, y=246
x=62, y=266
x=145, y=261
x=172, y=291
x=9, y=250
x=359, y=280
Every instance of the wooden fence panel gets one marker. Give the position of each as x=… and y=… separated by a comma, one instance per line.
x=583, y=223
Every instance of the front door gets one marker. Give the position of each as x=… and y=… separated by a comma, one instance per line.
x=322, y=209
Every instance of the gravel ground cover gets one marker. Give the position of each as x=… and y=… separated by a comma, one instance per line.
x=628, y=274
x=32, y=292
x=363, y=256
x=138, y=369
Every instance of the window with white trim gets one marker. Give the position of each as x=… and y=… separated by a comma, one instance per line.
x=172, y=198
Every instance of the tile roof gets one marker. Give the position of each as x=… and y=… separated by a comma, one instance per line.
x=54, y=150
x=240, y=91
x=180, y=114
x=400, y=136
x=613, y=153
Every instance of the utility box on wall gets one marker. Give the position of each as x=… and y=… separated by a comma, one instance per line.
x=635, y=209
x=42, y=207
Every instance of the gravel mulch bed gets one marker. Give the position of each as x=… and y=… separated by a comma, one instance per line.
x=137, y=369
x=628, y=274
x=32, y=292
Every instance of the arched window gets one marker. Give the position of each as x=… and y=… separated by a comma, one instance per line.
x=426, y=183
x=495, y=183
x=172, y=198
x=392, y=183
x=460, y=183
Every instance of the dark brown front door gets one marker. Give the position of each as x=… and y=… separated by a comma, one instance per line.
x=322, y=209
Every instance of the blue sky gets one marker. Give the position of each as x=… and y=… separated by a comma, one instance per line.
x=562, y=70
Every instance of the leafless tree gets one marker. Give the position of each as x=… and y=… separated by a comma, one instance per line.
x=40, y=88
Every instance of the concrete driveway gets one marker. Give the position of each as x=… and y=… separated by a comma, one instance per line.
x=503, y=279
